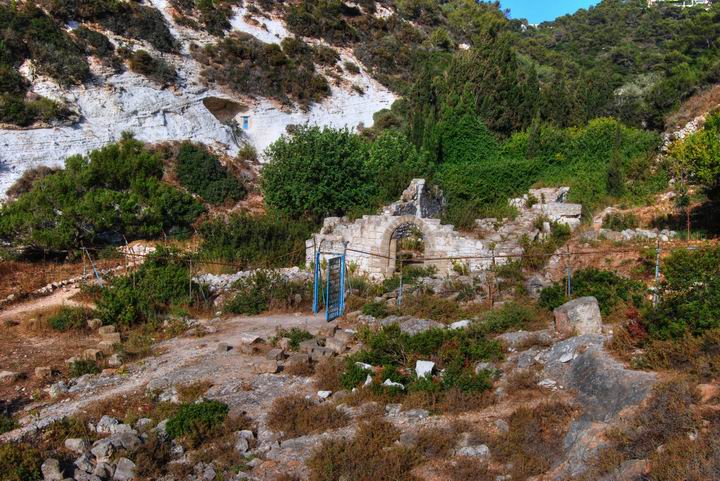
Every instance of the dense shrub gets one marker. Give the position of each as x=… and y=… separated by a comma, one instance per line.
x=161, y=283
x=6, y=423
x=19, y=462
x=251, y=67
x=68, y=318
x=394, y=162
x=201, y=173
x=378, y=310
x=609, y=289
x=317, y=172
x=27, y=180
x=620, y=221
x=83, y=366
x=452, y=350
x=269, y=240
x=265, y=290
x=127, y=19
x=112, y=193
x=295, y=335
x=690, y=294
x=196, y=422
x=214, y=16
x=154, y=68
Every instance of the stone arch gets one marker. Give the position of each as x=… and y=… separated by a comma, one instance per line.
x=388, y=245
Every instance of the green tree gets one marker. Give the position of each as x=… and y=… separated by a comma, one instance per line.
x=317, y=172
x=393, y=162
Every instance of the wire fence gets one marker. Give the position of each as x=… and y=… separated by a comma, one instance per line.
x=566, y=256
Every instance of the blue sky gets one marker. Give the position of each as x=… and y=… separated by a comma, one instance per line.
x=537, y=11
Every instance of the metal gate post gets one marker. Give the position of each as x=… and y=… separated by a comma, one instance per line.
x=316, y=289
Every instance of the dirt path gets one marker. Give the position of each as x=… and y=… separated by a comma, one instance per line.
x=57, y=298
x=183, y=360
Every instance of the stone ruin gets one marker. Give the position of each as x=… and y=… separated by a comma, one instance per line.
x=370, y=243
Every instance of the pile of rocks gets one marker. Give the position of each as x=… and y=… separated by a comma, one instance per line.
x=330, y=341
x=548, y=205
x=105, y=459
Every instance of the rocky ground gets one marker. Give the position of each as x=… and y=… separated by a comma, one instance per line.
x=239, y=367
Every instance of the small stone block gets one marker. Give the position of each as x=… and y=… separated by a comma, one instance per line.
x=43, y=372
x=106, y=330
x=113, y=337
x=92, y=354
x=275, y=354
x=265, y=366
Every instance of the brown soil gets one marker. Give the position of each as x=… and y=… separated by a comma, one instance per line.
x=25, y=345
x=697, y=105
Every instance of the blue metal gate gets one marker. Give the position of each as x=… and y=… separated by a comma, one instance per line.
x=333, y=294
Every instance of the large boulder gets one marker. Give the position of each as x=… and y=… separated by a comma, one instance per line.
x=580, y=317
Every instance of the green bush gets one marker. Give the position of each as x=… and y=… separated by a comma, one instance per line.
x=245, y=64
x=378, y=310
x=511, y=316
x=127, y=19
x=6, y=423
x=155, y=69
x=296, y=336
x=112, y=193
x=266, y=290
x=690, y=295
x=196, y=422
x=607, y=287
x=19, y=462
x=317, y=172
x=161, y=283
x=353, y=376
x=619, y=221
x=201, y=173
x=83, y=366
x=70, y=318
x=268, y=241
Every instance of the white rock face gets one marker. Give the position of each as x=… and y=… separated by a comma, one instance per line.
x=112, y=104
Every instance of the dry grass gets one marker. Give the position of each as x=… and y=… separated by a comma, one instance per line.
x=296, y=416
x=299, y=369
x=191, y=392
x=667, y=420
x=452, y=401
x=467, y=469
x=522, y=381
x=328, y=374
x=534, y=440
x=668, y=414
x=371, y=455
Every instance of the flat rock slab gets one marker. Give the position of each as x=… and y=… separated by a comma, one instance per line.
x=413, y=326
x=604, y=386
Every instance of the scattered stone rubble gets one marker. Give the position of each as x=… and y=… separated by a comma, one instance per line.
x=223, y=282
x=629, y=235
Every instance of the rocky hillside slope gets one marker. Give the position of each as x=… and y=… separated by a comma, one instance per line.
x=115, y=99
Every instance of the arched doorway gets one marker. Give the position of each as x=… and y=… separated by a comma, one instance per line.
x=407, y=246
x=406, y=239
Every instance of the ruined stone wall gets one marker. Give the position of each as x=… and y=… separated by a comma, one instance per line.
x=369, y=244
